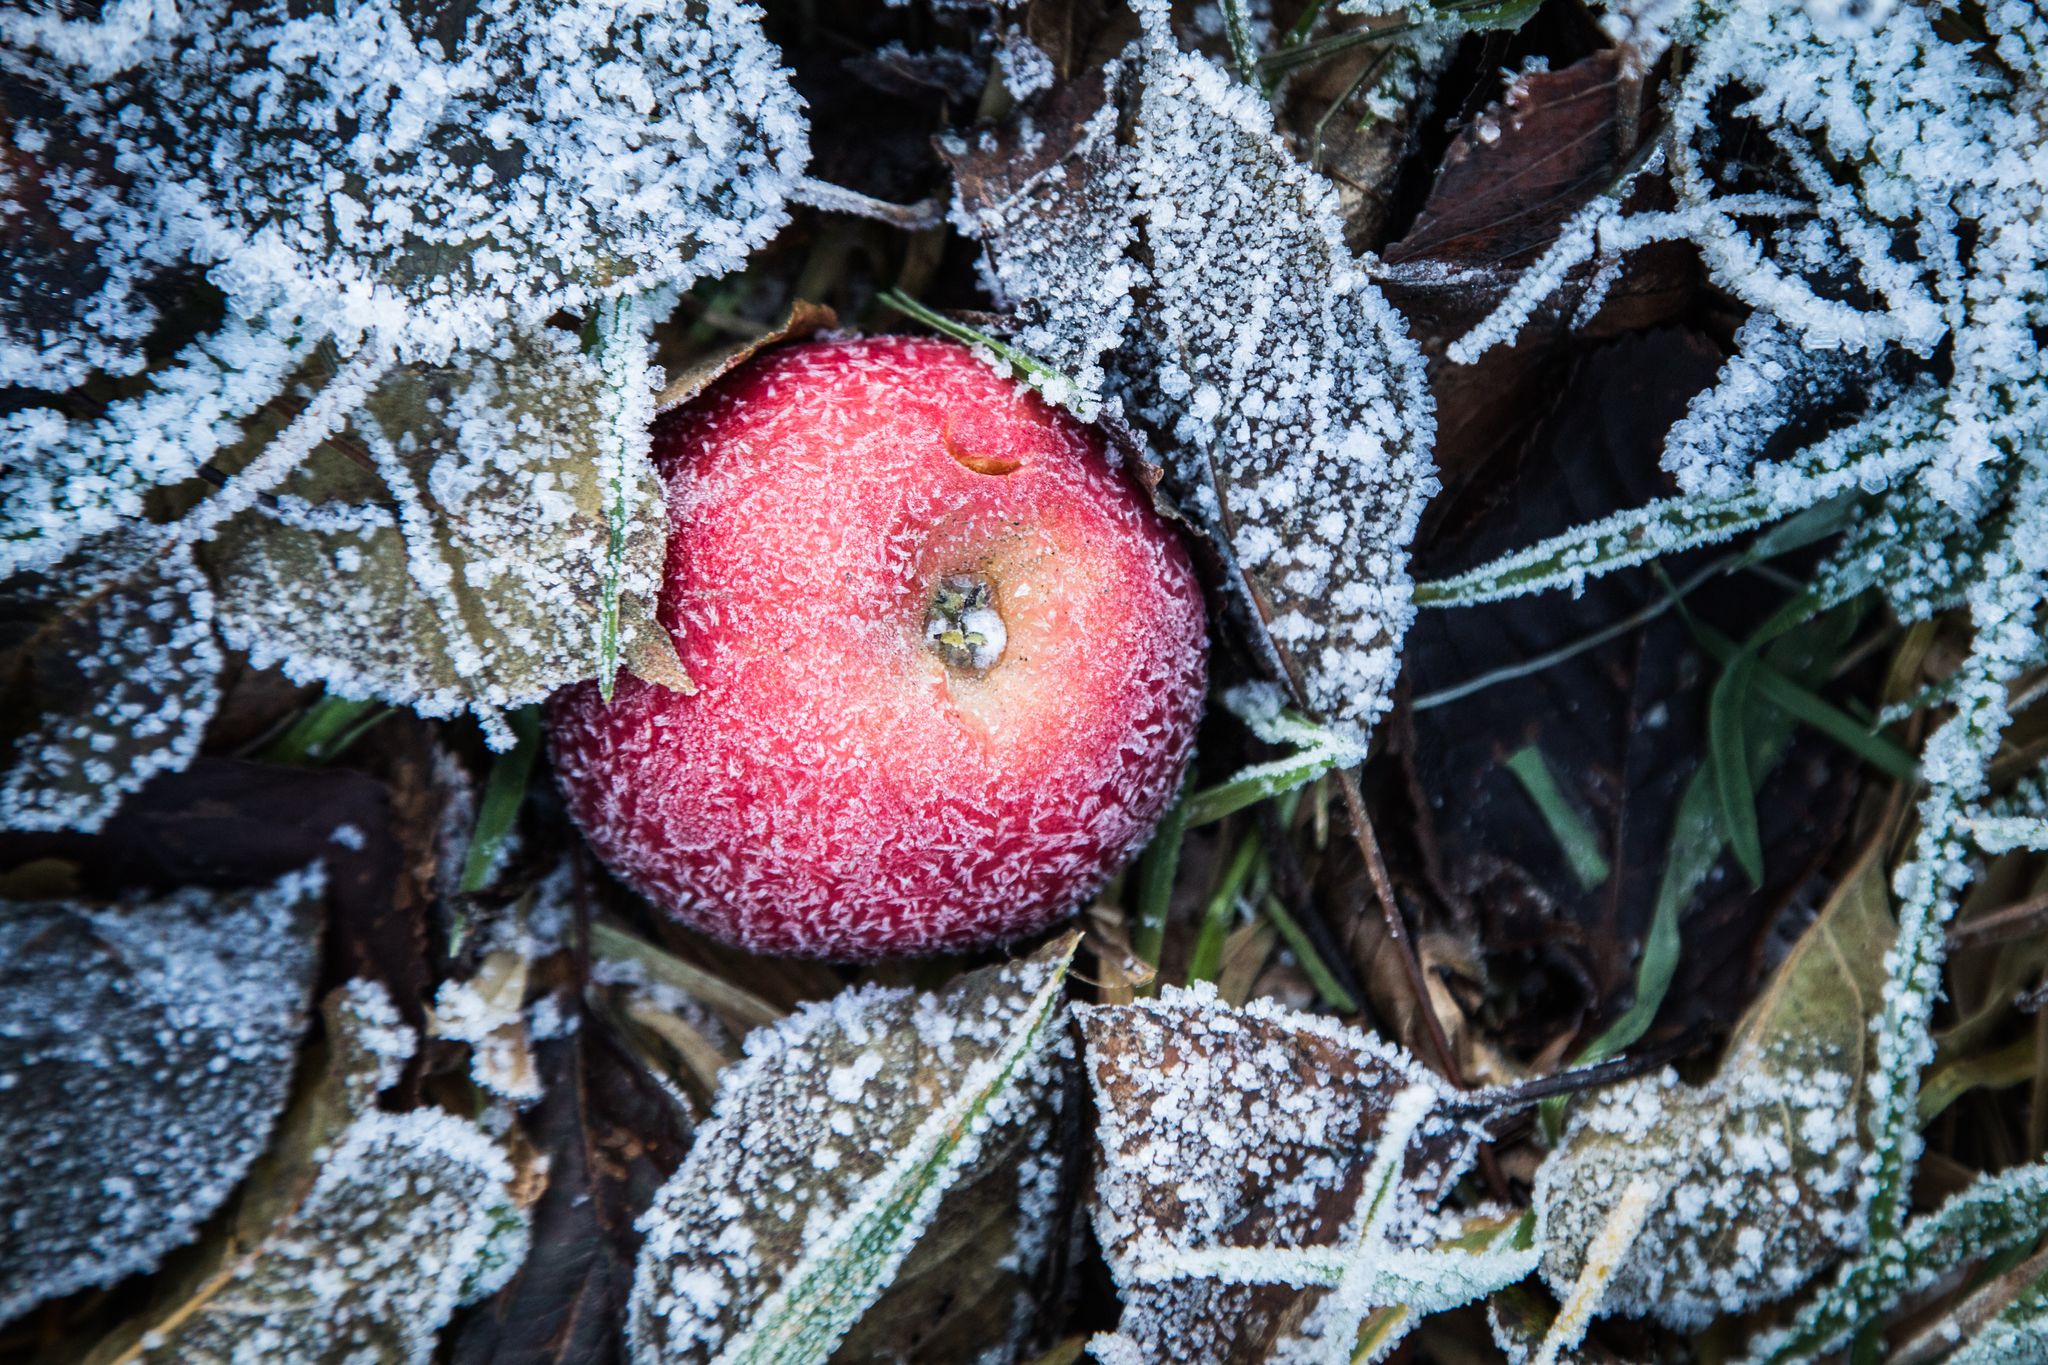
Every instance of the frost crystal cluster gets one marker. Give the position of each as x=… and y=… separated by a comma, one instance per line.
x=349, y=240
x=145, y=1051
x=394, y=1220
x=1190, y=275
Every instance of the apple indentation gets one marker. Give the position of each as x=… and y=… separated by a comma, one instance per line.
x=963, y=626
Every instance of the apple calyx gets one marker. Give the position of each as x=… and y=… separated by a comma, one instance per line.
x=963, y=626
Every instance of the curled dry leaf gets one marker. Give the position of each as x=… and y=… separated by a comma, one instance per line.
x=803, y=320
x=1783, y=1119
x=831, y=1151
x=448, y=552
x=1254, y=1129
x=361, y=1234
x=146, y=1049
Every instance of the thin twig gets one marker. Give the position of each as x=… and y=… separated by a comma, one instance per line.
x=1397, y=930
x=823, y=194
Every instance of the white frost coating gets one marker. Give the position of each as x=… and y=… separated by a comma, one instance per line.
x=437, y=188
x=1761, y=1168
x=1617, y=1235
x=409, y=1217
x=469, y=573
x=145, y=1051
x=62, y=483
x=1233, y=1135
x=147, y=682
x=1282, y=390
x=829, y=1149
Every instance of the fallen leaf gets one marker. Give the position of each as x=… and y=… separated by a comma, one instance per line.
x=146, y=1049
x=829, y=1153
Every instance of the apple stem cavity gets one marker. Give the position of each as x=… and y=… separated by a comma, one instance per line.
x=963, y=626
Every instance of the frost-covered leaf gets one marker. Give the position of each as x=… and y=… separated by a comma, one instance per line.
x=78, y=255
x=828, y=1153
x=65, y=481
x=449, y=550
x=1782, y=1117
x=365, y=1233
x=1173, y=258
x=433, y=173
x=1225, y=1131
x=487, y=1011
x=146, y=1049
x=128, y=671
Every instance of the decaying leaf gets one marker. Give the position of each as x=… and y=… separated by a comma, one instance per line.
x=129, y=673
x=449, y=551
x=803, y=320
x=488, y=1012
x=146, y=1049
x=365, y=1232
x=1175, y=261
x=612, y=1135
x=1250, y=1130
x=1759, y=1166
x=828, y=1154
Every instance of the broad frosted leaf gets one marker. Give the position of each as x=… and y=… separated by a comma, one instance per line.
x=433, y=173
x=145, y=1051
x=364, y=1233
x=1282, y=389
x=827, y=1155
x=448, y=551
x=1760, y=1166
x=129, y=674
x=1224, y=1130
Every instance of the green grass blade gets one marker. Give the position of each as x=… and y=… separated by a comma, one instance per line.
x=1728, y=757
x=1156, y=871
x=1033, y=371
x=1574, y=834
x=1207, y=961
x=620, y=343
x=504, y=793
x=328, y=727
x=1312, y=964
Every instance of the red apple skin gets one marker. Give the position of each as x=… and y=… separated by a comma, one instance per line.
x=835, y=788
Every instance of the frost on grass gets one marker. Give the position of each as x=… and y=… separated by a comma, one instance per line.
x=448, y=551
x=146, y=1049
x=388, y=1222
x=1759, y=1170
x=1920, y=271
x=129, y=673
x=437, y=182
x=829, y=1151
x=1185, y=272
x=1229, y=1198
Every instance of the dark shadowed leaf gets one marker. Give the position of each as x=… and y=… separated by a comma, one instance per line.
x=146, y=1048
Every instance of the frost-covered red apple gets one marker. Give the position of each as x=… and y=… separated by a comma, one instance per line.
x=948, y=663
